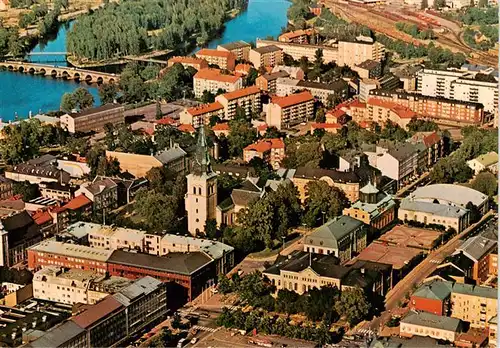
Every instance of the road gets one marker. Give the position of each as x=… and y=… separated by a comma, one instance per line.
x=422, y=271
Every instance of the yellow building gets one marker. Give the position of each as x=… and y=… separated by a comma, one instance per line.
x=240, y=49
x=266, y=56
x=429, y=325
x=474, y=304
x=214, y=79
x=374, y=208
x=348, y=182
x=492, y=334
x=246, y=98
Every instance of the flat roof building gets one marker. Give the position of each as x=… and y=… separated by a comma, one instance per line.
x=93, y=119
x=427, y=324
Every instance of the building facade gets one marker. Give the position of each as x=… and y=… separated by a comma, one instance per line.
x=284, y=112
x=224, y=59
x=271, y=151
x=197, y=63
x=322, y=91
x=93, y=119
x=240, y=49
x=213, y=79
x=266, y=56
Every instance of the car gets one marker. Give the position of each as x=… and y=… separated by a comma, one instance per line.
x=194, y=340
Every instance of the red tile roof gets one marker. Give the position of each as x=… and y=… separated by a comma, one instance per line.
x=205, y=108
x=216, y=75
x=243, y=68
x=357, y=104
x=266, y=145
x=432, y=139
x=335, y=113
x=186, y=60
x=293, y=99
x=214, y=53
x=262, y=127
x=42, y=217
x=186, y=128
x=293, y=34
x=326, y=125
x=77, y=202
x=166, y=121
x=240, y=93
x=97, y=312
x=221, y=127
x=365, y=124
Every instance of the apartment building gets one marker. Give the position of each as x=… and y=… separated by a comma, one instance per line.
x=56, y=284
x=93, y=119
x=266, y=56
x=197, y=63
x=5, y=188
x=246, y=98
x=483, y=252
x=38, y=170
x=348, y=182
x=442, y=111
x=434, y=144
x=103, y=192
x=488, y=161
x=223, y=59
x=240, y=49
x=284, y=112
x=267, y=82
x=381, y=111
x=201, y=114
x=301, y=36
x=368, y=69
x=321, y=91
x=352, y=53
x=342, y=237
x=214, y=79
x=458, y=85
x=297, y=51
x=474, y=304
x=271, y=151
x=294, y=72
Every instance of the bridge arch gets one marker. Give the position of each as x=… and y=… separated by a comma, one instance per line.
x=53, y=73
x=88, y=78
x=21, y=68
x=76, y=76
x=100, y=80
x=65, y=74
x=111, y=81
x=32, y=71
x=43, y=71
x=10, y=67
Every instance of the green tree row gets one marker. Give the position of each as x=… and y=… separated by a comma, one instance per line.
x=414, y=31
x=124, y=28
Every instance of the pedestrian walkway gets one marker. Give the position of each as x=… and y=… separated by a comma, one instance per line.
x=204, y=328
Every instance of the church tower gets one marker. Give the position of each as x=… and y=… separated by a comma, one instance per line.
x=201, y=196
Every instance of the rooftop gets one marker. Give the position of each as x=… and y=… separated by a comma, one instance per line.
x=44, y=171
x=58, y=336
x=51, y=246
x=475, y=290
x=205, y=108
x=442, y=210
x=265, y=145
x=221, y=127
x=78, y=275
x=267, y=49
x=180, y=263
x=275, y=75
x=170, y=154
x=186, y=60
x=240, y=93
x=330, y=234
x=369, y=64
x=449, y=193
x=213, y=248
x=411, y=237
x=235, y=45
x=139, y=287
x=432, y=320
x=216, y=75
x=318, y=174
x=214, y=53
x=397, y=256
x=296, y=33
x=434, y=290
x=488, y=159
x=186, y=128
x=96, y=110
x=477, y=247
x=97, y=312
x=401, y=111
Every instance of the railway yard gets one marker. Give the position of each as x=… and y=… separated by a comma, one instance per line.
x=382, y=18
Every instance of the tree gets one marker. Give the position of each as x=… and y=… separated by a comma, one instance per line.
x=451, y=169
x=482, y=3
x=308, y=154
x=255, y=291
x=272, y=133
x=485, y=182
x=158, y=211
x=424, y=4
x=27, y=190
x=99, y=164
x=224, y=284
x=107, y=92
x=419, y=125
x=211, y=228
x=207, y=97
x=286, y=301
x=320, y=115
x=319, y=304
x=474, y=213
x=68, y=103
x=161, y=180
x=323, y=202
x=353, y=305
x=159, y=113
x=438, y=4
x=83, y=98
x=251, y=77
x=241, y=134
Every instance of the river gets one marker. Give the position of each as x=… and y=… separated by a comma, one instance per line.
x=22, y=93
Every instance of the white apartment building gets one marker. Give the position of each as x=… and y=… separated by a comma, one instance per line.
x=213, y=79
x=284, y=112
x=458, y=85
x=286, y=86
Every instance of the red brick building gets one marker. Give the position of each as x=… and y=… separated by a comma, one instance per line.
x=194, y=271
x=433, y=297
x=53, y=253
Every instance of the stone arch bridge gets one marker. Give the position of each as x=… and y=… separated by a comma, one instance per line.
x=67, y=73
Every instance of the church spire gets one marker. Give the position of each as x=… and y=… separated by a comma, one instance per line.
x=202, y=159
